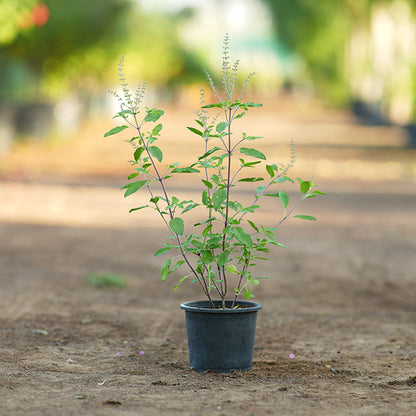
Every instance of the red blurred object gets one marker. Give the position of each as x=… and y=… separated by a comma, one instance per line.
x=40, y=14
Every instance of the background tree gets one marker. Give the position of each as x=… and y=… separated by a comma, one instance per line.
x=321, y=33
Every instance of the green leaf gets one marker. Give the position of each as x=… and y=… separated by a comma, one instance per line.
x=189, y=207
x=115, y=130
x=153, y=114
x=156, y=130
x=219, y=198
x=251, y=208
x=156, y=152
x=123, y=114
x=270, y=171
x=162, y=250
x=251, y=104
x=164, y=271
x=180, y=281
x=305, y=186
x=247, y=294
x=177, y=225
x=242, y=236
x=210, y=152
x=306, y=217
x=177, y=265
x=222, y=126
x=250, y=180
x=136, y=209
x=216, y=105
x=205, y=199
x=251, y=164
x=252, y=153
x=207, y=183
x=133, y=187
x=282, y=180
x=196, y=131
x=222, y=259
x=232, y=269
x=206, y=231
x=133, y=175
x=185, y=170
x=284, y=198
x=253, y=225
x=138, y=152
x=315, y=193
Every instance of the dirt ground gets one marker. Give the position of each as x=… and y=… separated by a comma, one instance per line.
x=340, y=297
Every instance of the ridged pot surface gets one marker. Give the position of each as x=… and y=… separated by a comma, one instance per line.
x=221, y=340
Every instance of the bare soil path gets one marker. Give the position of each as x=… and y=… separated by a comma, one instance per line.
x=340, y=298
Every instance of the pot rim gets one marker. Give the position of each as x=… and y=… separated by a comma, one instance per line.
x=204, y=306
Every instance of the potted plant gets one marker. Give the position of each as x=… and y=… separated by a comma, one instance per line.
x=219, y=251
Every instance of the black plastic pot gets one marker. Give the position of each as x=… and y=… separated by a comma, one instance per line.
x=221, y=340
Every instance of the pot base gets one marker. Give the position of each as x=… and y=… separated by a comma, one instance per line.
x=221, y=340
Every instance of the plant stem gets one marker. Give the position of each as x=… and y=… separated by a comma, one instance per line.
x=286, y=216
x=202, y=281
x=227, y=203
x=240, y=281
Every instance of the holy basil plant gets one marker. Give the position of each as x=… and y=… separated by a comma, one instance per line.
x=220, y=251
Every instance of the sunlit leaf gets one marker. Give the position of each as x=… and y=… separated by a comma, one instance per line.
x=115, y=130
x=315, y=193
x=136, y=209
x=270, y=171
x=205, y=198
x=196, y=131
x=250, y=180
x=222, y=259
x=207, y=183
x=222, y=126
x=284, y=198
x=305, y=186
x=306, y=217
x=219, y=198
x=162, y=250
x=156, y=152
x=164, y=271
x=205, y=155
x=133, y=187
x=251, y=104
x=138, y=152
x=189, y=207
x=177, y=225
x=232, y=269
x=253, y=225
x=247, y=294
x=242, y=236
x=252, y=153
x=156, y=130
x=185, y=170
x=153, y=115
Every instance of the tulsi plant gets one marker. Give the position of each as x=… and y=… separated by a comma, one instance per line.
x=225, y=245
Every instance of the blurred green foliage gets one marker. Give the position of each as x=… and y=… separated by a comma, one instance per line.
x=319, y=32
x=106, y=280
x=10, y=18
x=53, y=47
